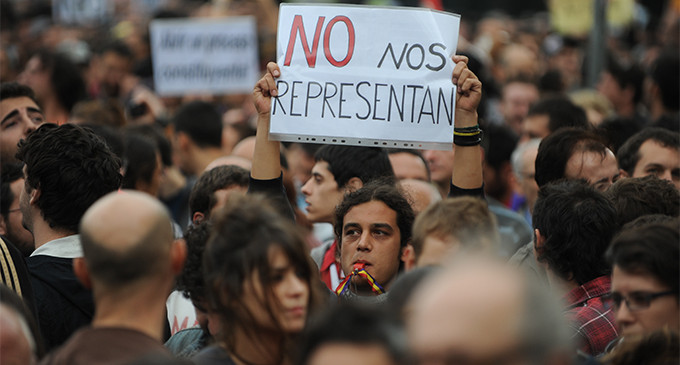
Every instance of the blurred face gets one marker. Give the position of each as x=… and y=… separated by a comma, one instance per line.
x=13, y=227
x=291, y=294
x=608, y=87
x=662, y=162
x=535, y=126
x=350, y=353
x=408, y=166
x=370, y=235
x=441, y=165
x=527, y=180
x=516, y=100
x=18, y=118
x=663, y=311
x=35, y=77
x=322, y=194
x=600, y=173
x=112, y=69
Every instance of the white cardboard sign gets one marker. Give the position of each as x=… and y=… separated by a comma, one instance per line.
x=367, y=76
x=217, y=56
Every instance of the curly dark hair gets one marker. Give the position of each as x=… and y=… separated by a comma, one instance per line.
x=190, y=281
x=635, y=197
x=72, y=167
x=577, y=223
x=202, y=198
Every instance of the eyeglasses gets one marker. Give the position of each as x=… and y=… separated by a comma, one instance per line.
x=636, y=300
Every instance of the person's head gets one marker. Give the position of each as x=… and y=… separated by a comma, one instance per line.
x=621, y=84
x=409, y=164
x=497, y=168
x=19, y=116
x=421, y=194
x=663, y=86
x=373, y=226
x=573, y=225
x=20, y=341
x=110, y=66
x=259, y=279
x=67, y=168
x=523, y=161
x=573, y=153
x=142, y=164
x=644, y=263
x=198, y=125
x=518, y=95
x=352, y=334
x=53, y=75
x=338, y=170
x=214, y=188
x=659, y=347
x=636, y=197
x=440, y=164
x=11, y=184
x=551, y=114
x=453, y=225
x=486, y=312
x=128, y=243
x=652, y=151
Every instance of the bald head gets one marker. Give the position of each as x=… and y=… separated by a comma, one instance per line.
x=422, y=193
x=477, y=311
x=126, y=236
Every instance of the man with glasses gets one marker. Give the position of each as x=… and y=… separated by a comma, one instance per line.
x=645, y=282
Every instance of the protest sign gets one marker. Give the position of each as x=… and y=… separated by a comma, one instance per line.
x=367, y=76
x=217, y=56
x=82, y=12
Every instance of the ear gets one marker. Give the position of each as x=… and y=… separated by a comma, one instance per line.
x=354, y=184
x=198, y=218
x=82, y=273
x=34, y=195
x=539, y=243
x=183, y=141
x=178, y=255
x=408, y=256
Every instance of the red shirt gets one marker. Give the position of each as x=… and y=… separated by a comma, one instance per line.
x=331, y=270
x=591, y=319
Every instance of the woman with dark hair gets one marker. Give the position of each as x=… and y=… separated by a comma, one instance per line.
x=260, y=285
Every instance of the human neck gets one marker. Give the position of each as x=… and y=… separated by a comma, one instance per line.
x=263, y=348
x=443, y=187
x=54, y=113
x=560, y=284
x=138, y=307
x=203, y=157
x=43, y=233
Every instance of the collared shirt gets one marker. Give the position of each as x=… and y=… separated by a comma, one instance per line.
x=68, y=247
x=331, y=270
x=591, y=319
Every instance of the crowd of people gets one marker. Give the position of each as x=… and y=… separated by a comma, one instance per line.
x=144, y=229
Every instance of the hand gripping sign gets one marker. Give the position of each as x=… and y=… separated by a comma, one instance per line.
x=366, y=76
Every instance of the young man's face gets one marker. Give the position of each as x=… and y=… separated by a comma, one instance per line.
x=662, y=311
x=370, y=235
x=322, y=194
x=662, y=162
x=601, y=172
x=18, y=118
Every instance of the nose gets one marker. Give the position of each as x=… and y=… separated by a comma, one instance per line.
x=295, y=285
x=667, y=175
x=623, y=315
x=305, y=188
x=364, y=243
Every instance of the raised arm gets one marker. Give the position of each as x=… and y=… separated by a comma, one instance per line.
x=467, y=159
x=266, y=158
